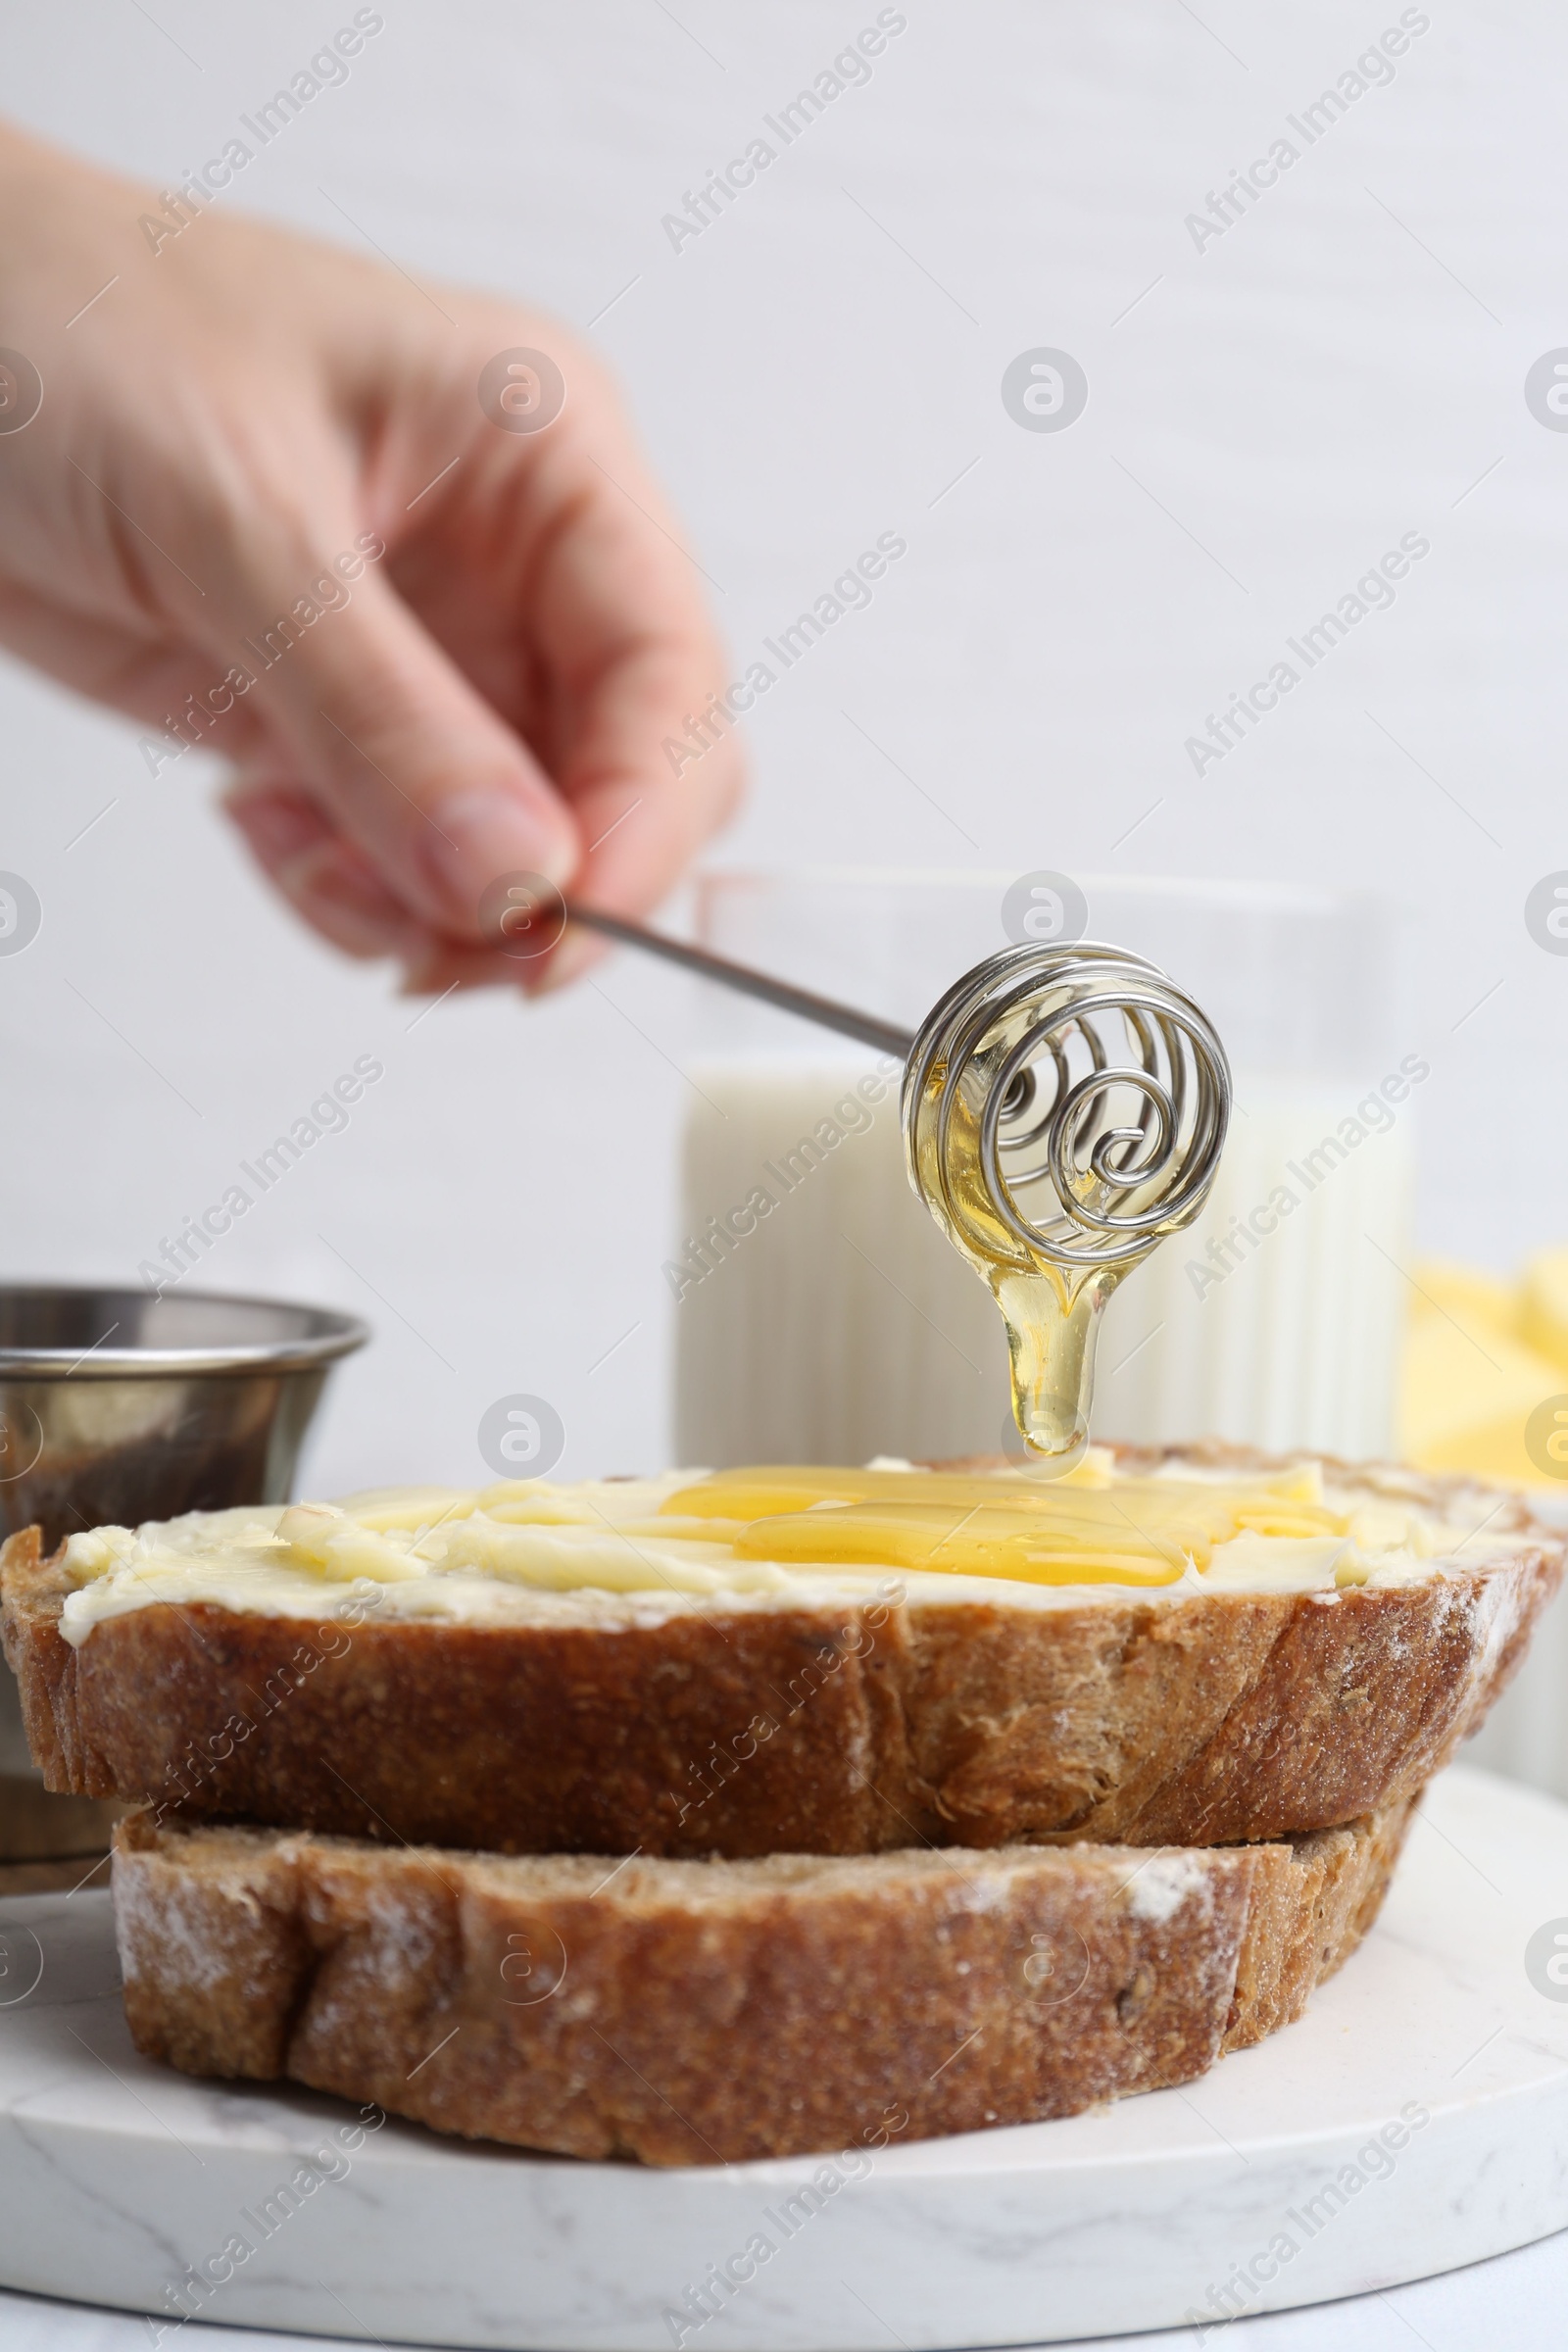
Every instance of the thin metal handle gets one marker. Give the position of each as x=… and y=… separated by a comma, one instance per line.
x=803, y=1001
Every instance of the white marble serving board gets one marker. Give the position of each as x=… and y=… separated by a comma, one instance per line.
x=119, y=2177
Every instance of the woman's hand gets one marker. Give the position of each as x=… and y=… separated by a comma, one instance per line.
x=289, y=505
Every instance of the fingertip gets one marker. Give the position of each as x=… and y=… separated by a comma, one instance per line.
x=484, y=833
x=345, y=901
x=280, y=822
x=578, y=954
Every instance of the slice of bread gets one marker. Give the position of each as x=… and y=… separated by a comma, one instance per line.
x=674, y=1723
x=602, y=1722
x=712, y=2011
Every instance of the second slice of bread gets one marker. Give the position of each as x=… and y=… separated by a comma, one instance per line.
x=704, y=2013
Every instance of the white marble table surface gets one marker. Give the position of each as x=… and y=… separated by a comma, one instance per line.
x=94, y=2200
x=1517, y=2301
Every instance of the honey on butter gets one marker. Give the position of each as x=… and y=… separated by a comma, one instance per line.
x=1086, y=1528
x=761, y=1536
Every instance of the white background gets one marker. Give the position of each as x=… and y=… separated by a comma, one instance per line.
x=1343, y=367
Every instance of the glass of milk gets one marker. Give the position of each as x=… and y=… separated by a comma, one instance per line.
x=823, y=1316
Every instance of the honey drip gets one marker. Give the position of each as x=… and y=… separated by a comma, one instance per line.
x=1063, y=1113
x=1051, y=1312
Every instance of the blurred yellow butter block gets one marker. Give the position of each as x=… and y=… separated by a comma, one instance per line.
x=1544, y=1305
x=1481, y=1356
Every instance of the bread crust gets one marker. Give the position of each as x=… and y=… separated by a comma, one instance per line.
x=1220, y=1718
x=702, y=2013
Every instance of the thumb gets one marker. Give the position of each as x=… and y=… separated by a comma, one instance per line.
x=410, y=760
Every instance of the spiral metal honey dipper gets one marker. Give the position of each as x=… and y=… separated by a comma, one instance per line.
x=1064, y=1109
x=1078, y=1069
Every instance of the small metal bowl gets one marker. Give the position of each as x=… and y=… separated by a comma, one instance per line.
x=117, y=1406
